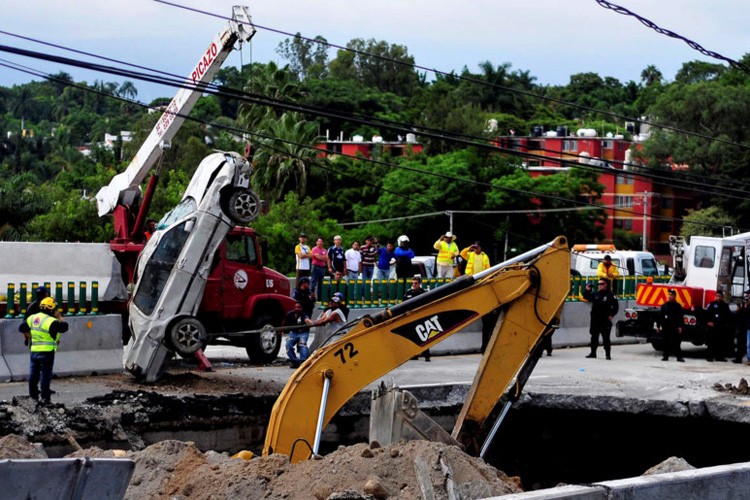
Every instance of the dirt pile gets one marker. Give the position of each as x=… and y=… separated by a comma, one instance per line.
x=412, y=470
x=741, y=388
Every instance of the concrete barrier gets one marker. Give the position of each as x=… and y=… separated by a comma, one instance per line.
x=80, y=478
x=573, y=331
x=62, y=262
x=709, y=483
x=92, y=345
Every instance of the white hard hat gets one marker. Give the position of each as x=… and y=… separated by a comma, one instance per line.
x=403, y=239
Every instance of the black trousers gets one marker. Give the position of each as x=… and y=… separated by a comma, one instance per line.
x=603, y=328
x=671, y=344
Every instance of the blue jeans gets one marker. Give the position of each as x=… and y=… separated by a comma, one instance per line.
x=367, y=273
x=299, y=340
x=40, y=367
x=316, y=280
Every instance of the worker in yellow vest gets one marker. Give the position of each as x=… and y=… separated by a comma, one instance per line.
x=476, y=260
x=43, y=330
x=447, y=253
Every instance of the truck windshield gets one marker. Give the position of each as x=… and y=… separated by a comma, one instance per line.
x=159, y=267
x=649, y=267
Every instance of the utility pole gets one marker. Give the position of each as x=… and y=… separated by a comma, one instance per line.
x=645, y=218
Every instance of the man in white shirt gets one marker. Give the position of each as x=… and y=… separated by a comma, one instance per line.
x=353, y=258
x=328, y=322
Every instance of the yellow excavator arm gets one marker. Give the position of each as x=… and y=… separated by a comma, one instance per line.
x=531, y=289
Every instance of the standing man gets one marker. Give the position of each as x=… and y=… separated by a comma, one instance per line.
x=297, y=337
x=303, y=256
x=43, y=330
x=369, y=253
x=320, y=265
x=608, y=271
x=150, y=228
x=304, y=295
x=718, y=324
x=743, y=329
x=41, y=294
x=447, y=253
x=385, y=259
x=415, y=291
x=404, y=255
x=337, y=257
x=671, y=318
x=476, y=260
x=353, y=261
x=604, y=306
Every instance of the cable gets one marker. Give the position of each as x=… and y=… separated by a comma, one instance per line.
x=228, y=91
x=662, y=31
x=463, y=78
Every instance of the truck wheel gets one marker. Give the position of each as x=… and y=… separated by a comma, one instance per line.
x=657, y=344
x=187, y=336
x=242, y=206
x=263, y=347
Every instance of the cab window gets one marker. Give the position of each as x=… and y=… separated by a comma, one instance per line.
x=242, y=249
x=704, y=257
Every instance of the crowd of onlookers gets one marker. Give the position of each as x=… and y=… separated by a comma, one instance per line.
x=369, y=261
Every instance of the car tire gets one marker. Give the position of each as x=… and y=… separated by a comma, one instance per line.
x=657, y=344
x=186, y=336
x=263, y=347
x=242, y=205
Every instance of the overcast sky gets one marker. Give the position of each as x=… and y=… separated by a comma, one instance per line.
x=552, y=39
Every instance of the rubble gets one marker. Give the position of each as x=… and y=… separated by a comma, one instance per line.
x=741, y=388
x=411, y=470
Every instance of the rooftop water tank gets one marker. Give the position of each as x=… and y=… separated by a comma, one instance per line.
x=377, y=138
x=411, y=138
x=586, y=132
x=357, y=138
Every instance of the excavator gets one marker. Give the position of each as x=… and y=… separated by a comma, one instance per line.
x=528, y=291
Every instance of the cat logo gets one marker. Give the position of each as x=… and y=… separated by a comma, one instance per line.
x=428, y=328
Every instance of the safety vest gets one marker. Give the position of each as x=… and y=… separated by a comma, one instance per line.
x=41, y=340
x=446, y=253
x=470, y=262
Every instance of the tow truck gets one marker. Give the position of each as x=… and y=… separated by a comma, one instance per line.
x=230, y=289
x=529, y=291
x=702, y=267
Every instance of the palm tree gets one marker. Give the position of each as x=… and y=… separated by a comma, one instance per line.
x=651, y=75
x=284, y=156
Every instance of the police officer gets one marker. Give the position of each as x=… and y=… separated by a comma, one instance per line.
x=718, y=322
x=43, y=329
x=671, y=318
x=604, y=306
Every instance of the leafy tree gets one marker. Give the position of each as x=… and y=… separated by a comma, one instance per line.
x=699, y=71
x=651, y=75
x=283, y=223
x=307, y=58
x=375, y=64
x=709, y=221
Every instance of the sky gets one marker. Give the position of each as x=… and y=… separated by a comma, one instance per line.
x=552, y=39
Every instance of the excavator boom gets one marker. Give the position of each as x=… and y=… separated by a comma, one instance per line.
x=532, y=287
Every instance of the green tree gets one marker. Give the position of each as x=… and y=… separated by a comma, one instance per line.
x=283, y=223
x=377, y=64
x=307, y=58
x=709, y=221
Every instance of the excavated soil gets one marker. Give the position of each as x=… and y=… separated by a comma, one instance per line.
x=412, y=470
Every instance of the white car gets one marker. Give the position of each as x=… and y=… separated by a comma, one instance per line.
x=172, y=269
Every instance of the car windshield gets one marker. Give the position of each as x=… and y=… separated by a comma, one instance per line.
x=649, y=267
x=159, y=266
x=185, y=207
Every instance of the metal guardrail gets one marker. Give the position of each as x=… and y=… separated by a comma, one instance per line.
x=382, y=293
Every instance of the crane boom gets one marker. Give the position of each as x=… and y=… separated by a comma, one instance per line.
x=240, y=29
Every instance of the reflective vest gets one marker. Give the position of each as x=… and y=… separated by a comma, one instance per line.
x=471, y=262
x=446, y=253
x=41, y=340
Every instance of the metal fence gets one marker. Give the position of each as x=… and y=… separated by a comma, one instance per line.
x=381, y=293
x=77, y=302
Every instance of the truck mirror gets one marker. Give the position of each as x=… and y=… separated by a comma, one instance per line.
x=263, y=250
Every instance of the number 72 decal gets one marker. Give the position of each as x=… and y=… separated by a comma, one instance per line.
x=346, y=352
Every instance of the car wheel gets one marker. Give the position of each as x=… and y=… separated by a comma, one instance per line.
x=187, y=336
x=657, y=344
x=242, y=206
x=263, y=347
